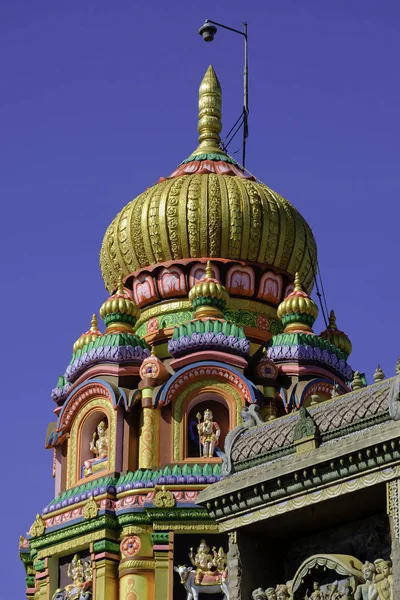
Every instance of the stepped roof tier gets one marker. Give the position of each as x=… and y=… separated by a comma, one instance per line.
x=208, y=208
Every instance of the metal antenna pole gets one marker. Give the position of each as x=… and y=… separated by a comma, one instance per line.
x=246, y=95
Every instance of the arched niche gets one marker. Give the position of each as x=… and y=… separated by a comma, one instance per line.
x=209, y=389
x=198, y=405
x=88, y=434
x=82, y=430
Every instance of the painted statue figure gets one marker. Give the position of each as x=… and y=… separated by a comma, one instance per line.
x=367, y=590
x=384, y=579
x=209, y=432
x=270, y=593
x=220, y=563
x=193, y=590
x=258, y=594
x=80, y=588
x=202, y=561
x=99, y=447
x=317, y=594
x=282, y=592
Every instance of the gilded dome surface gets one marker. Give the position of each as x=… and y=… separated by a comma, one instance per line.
x=208, y=208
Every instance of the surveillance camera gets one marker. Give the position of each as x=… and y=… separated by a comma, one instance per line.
x=207, y=31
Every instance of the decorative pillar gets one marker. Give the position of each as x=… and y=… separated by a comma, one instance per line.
x=163, y=556
x=136, y=569
x=234, y=568
x=149, y=431
x=393, y=509
x=106, y=576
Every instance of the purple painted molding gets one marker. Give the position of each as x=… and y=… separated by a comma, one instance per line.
x=209, y=341
x=278, y=353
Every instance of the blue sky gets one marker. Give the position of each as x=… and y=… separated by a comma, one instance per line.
x=99, y=99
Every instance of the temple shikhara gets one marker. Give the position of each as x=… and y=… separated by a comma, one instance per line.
x=207, y=439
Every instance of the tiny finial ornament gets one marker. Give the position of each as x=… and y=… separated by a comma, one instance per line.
x=357, y=383
x=379, y=375
x=120, y=286
x=297, y=283
x=209, y=271
x=94, y=323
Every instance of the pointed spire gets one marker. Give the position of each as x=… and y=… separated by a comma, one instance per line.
x=337, y=337
x=379, y=375
x=332, y=320
x=88, y=336
x=297, y=283
x=209, y=124
x=210, y=274
x=357, y=383
x=94, y=325
x=297, y=311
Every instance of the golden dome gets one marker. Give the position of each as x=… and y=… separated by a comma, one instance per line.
x=120, y=312
x=208, y=296
x=297, y=311
x=208, y=208
x=336, y=337
x=89, y=336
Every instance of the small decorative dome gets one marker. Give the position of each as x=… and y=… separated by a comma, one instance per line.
x=209, y=296
x=120, y=312
x=336, y=337
x=297, y=311
x=208, y=207
x=89, y=336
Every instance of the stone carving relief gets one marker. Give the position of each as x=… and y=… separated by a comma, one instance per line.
x=334, y=577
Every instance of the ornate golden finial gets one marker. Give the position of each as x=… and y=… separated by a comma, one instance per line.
x=153, y=351
x=357, y=383
x=397, y=367
x=297, y=283
x=94, y=325
x=332, y=320
x=379, y=375
x=121, y=286
x=209, y=125
x=209, y=271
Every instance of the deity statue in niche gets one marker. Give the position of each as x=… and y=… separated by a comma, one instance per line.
x=202, y=561
x=209, y=433
x=367, y=590
x=220, y=563
x=80, y=588
x=99, y=447
x=384, y=579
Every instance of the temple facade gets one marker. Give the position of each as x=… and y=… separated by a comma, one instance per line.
x=206, y=439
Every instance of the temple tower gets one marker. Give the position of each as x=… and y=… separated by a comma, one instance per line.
x=208, y=322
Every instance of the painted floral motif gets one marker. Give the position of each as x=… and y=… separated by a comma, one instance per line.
x=262, y=323
x=130, y=546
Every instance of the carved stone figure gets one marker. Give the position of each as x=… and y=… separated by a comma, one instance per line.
x=258, y=594
x=99, y=447
x=251, y=418
x=209, y=432
x=202, y=561
x=282, y=592
x=384, y=579
x=367, y=590
x=346, y=593
x=317, y=594
x=270, y=593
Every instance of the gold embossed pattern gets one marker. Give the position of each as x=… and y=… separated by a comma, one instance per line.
x=209, y=215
